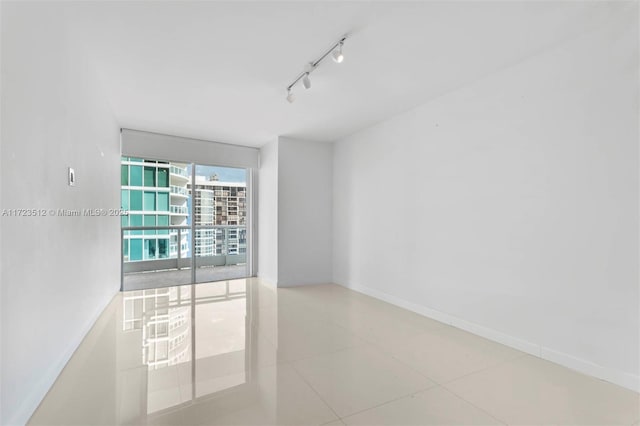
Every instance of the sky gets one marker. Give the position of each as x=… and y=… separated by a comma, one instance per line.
x=225, y=174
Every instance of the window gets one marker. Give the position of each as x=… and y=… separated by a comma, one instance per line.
x=149, y=201
x=163, y=177
x=124, y=199
x=135, y=220
x=135, y=249
x=135, y=178
x=149, y=249
x=163, y=248
x=124, y=175
x=136, y=200
x=150, y=220
x=149, y=176
x=163, y=221
x=163, y=201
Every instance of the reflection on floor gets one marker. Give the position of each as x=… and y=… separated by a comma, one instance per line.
x=242, y=352
x=173, y=277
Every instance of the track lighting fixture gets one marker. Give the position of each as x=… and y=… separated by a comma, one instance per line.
x=338, y=57
x=290, y=96
x=337, y=54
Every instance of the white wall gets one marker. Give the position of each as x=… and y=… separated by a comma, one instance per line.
x=304, y=212
x=510, y=207
x=295, y=212
x=268, y=213
x=58, y=273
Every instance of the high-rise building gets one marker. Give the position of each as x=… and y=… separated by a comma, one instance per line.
x=220, y=203
x=179, y=179
x=155, y=194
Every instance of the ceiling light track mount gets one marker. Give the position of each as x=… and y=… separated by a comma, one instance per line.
x=335, y=51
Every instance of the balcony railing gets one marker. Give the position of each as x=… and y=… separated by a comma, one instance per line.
x=176, y=252
x=179, y=190
x=179, y=210
x=178, y=171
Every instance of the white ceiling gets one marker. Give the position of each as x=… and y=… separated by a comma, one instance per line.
x=218, y=70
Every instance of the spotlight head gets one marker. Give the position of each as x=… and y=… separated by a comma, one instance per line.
x=306, y=81
x=337, y=55
x=290, y=96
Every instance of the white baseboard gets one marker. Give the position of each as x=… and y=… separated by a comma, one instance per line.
x=621, y=378
x=589, y=368
x=48, y=378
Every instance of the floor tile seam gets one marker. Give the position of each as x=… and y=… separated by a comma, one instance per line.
x=410, y=367
x=330, y=319
x=406, y=395
x=445, y=385
x=496, y=418
x=381, y=347
x=189, y=383
x=375, y=348
x=524, y=356
x=484, y=342
x=391, y=305
x=291, y=361
x=362, y=341
x=432, y=385
x=361, y=336
x=348, y=330
x=304, y=379
x=429, y=333
x=489, y=367
x=483, y=409
x=413, y=369
x=390, y=317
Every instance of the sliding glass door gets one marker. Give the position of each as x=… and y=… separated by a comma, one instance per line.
x=187, y=223
x=219, y=197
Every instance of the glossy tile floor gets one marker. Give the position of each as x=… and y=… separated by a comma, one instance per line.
x=243, y=353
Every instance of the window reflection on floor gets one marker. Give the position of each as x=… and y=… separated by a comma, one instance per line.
x=220, y=333
x=180, y=324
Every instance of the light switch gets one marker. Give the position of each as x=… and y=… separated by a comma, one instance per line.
x=72, y=177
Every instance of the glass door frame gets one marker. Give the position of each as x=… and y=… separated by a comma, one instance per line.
x=251, y=210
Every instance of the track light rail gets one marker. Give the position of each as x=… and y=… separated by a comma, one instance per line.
x=312, y=66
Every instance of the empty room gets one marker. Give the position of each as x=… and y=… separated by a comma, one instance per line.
x=319, y=212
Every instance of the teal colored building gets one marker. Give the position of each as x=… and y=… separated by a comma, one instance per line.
x=146, y=193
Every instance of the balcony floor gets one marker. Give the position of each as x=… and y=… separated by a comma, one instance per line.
x=158, y=279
